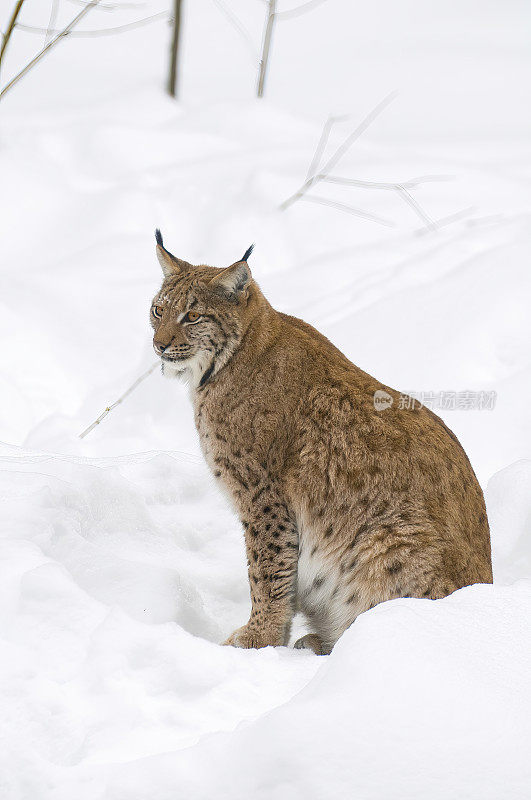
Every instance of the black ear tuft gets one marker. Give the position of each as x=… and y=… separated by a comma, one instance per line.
x=248, y=252
x=158, y=237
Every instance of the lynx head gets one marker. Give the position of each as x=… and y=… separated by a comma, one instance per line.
x=200, y=315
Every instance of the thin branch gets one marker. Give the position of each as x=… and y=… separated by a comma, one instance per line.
x=266, y=46
x=84, y=11
x=102, y=31
x=109, y=6
x=340, y=152
x=238, y=26
x=291, y=13
x=401, y=188
x=272, y=16
x=313, y=177
x=442, y=222
x=122, y=397
x=323, y=141
x=174, y=49
x=362, y=127
x=52, y=20
x=417, y=208
x=10, y=28
x=411, y=184
x=324, y=201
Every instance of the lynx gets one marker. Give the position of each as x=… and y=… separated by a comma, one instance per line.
x=345, y=502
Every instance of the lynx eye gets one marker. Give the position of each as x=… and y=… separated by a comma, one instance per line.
x=157, y=312
x=191, y=316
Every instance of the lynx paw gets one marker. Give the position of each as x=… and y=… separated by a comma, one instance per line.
x=312, y=642
x=248, y=638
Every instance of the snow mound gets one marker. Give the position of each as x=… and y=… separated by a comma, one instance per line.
x=121, y=575
x=419, y=699
x=509, y=514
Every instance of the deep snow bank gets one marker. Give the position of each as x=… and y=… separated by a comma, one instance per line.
x=119, y=577
x=419, y=699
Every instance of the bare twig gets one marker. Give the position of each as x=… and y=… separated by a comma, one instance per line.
x=411, y=184
x=291, y=13
x=122, y=397
x=340, y=152
x=51, y=22
x=324, y=201
x=128, y=26
x=109, y=6
x=84, y=11
x=10, y=28
x=405, y=195
x=266, y=46
x=313, y=176
x=442, y=222
x=272, y=16
x=323, y=141
x=400, y=188
x=174, y=49
x=238, y=26
x=362, y=127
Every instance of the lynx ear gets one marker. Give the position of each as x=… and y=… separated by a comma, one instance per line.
x=234, y=279
x=169, y=263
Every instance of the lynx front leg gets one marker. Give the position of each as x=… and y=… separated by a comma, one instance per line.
x=272, y=551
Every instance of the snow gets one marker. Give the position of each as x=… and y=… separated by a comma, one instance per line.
x=122, y=567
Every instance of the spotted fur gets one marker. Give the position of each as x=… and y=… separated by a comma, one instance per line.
x=343, y=506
